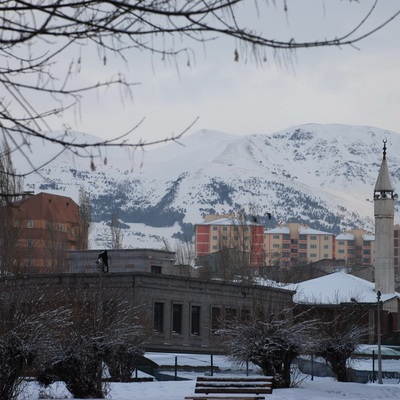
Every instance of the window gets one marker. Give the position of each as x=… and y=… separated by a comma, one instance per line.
x=215, y=228
x=302, y=237
x=60, y=227
x=302, y=246
x=29, y=243
x=341, y=251
x=313, y=237
x=326, y=255
x=286, y=237
x=313, y=246
x=230, y=315
x=341, y=242
x=225, y=228
x=326, y=237
x=195, y=320
x=224, y=237
x=326, y=246
x=30, y=224
x=236, y=238
x=215, y=247
x=215, y=319
x=177, y=319
x=286, y=245
x=215, y=237
x=303, y=255
x=155, y=269
x=275, y=236
x=313, y=255
x=245, y=315
x=158, y=322
x=275, y=246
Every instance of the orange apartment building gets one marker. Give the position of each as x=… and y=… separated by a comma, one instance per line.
x=49, y=226
x=221, y=232
x=295, y=245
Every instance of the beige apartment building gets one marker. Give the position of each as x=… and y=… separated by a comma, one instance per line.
x=293, y=245
x=356, y=247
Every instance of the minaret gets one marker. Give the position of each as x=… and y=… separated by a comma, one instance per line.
x=384, y=199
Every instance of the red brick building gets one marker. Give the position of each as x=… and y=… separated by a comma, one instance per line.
x=49, y=226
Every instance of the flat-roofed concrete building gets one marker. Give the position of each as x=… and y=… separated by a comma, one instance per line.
x=180, y=314
x=123, y=260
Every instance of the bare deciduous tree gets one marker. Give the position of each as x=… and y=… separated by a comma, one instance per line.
x=85, y=219
x=10, y=192
x=38, y=40
x=101, y=329
x=271, y=342
x=339, y=339
x=30, y=325
x=117, y=234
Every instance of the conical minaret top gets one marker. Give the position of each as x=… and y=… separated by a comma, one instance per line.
x=383, y=184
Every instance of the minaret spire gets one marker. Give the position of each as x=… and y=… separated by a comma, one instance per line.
x=384, y=199
x=384, y=149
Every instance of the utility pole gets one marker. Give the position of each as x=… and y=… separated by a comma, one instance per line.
x=378, y=296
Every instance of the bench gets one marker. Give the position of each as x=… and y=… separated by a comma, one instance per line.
x=232, y=386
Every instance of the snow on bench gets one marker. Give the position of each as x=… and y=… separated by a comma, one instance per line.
x=233, y=387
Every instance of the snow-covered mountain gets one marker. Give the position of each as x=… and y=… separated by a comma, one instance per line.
x=320, y=175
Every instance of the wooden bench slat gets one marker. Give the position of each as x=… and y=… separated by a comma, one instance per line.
x=232, y=385
x=224, y=398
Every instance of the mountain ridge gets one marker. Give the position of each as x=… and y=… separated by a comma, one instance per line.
x=319, y=175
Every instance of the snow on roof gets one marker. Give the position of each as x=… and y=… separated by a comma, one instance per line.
x=368, y=237
x=337, y=288
x=308, y=231
x=303, y=230
x=229, y=222
x=283, y=230
x=345, y=236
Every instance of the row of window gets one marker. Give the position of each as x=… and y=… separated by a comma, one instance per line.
x=60, y=227
x=194, y=317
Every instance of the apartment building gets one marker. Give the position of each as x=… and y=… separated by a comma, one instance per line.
x=221, y=232
x=49, y=226
x=356, y=247
x=293, y=245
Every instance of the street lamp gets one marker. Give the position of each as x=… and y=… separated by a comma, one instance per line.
x=378, y=296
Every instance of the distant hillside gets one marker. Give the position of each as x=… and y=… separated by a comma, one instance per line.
x=319, y=175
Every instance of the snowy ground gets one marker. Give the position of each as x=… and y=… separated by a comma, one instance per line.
x=317, y=389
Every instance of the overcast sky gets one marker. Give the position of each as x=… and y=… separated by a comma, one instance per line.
x=358, y=86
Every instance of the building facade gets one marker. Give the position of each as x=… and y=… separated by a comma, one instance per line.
x=179, y=314
x=49, y=226
x=122, y=260
x=355, y=247
x=220, y=232
x=293, y=245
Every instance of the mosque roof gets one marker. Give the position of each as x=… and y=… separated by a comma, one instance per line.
x=336, y=288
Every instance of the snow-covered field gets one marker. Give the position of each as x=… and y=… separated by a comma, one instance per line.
x=318, y=389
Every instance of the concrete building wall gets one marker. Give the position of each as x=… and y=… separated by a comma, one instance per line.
x=124, y=260
x=146, y=291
